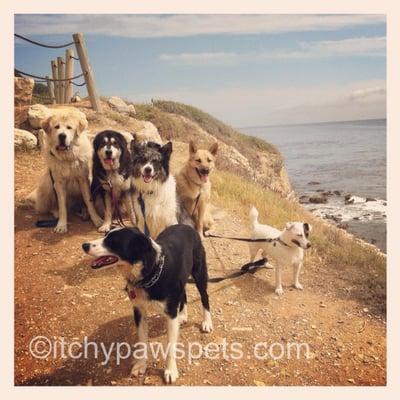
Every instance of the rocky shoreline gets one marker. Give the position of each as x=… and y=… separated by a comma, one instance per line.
x=365, y=217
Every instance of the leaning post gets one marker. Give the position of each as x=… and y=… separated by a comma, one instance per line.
x=87, y=71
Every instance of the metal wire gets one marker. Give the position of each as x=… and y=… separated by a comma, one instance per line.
x=42, y=44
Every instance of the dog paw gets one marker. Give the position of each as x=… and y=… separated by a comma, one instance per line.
x=298, y=285
x=279, y=291
x=207, y=326
x=171, y=375
x=104, y=228
x=61, y=228
x=139, y=368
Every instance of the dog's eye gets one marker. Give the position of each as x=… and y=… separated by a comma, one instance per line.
x=69, y=127
x=57, y=126
x=300, y=235
x=198, y=160
x=208, y=159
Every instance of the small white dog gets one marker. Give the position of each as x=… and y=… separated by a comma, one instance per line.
x=284, y=247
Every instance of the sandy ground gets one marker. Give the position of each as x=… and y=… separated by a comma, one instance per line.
x=57, y=295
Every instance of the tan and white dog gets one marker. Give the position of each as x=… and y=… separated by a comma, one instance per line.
x=68, y=156
x=194, y=187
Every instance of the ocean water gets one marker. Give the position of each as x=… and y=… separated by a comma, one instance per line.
x=346, y=156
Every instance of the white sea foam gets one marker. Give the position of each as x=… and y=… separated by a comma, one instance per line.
x=359, y=210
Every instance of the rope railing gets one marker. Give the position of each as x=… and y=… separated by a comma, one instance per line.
x=49, y=46
x=62, y=69
x=79, y=84
x=49, y=79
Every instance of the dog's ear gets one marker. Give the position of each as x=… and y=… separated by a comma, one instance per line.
x=135, y=146
x=307, y=229
x=82, y=124
x=289, y=226
x=166, y=150
x=192, y=147
x=46, y=124
x=213, y=148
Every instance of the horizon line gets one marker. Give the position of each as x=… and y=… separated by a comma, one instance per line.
x=311, y=123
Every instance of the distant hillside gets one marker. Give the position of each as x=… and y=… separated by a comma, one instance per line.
x=247, y=155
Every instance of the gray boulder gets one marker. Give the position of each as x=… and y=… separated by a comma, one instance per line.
x=119, y=105
x=24, y=140
x=37, y=114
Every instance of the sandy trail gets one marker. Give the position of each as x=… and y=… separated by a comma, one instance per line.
x=58, y=295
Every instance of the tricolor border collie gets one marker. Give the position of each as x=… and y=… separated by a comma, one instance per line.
x=285, y=247
x=154, y=195
x=157, y=271
x=112, y=176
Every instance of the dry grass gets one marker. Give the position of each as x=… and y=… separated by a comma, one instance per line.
x=357, y=265
x=216, y=128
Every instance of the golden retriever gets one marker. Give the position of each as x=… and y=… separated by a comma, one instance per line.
x=194, y=187
x=68, y=155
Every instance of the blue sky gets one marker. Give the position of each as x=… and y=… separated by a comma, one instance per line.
x=245, y=69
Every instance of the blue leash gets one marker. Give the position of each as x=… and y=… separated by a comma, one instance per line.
x=143, y=208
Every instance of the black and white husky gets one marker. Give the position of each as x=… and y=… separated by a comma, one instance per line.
x=154, y=195
x=112, y=176
x=156, y=273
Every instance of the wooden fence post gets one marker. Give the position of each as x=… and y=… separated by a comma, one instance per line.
x=61, y=75
x=87, y=70
x=55, y=76
x=69, y=73
x=50, y=87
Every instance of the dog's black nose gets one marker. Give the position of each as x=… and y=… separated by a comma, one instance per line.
x=148, y=170
x=86, y=247
x=204, y=171
x=62, y=137
x=109, y=153
x=308, y=245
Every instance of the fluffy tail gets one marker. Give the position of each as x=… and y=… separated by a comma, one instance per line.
x=253, y=216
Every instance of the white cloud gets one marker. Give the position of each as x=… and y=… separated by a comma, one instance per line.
x=373, y=46
x=268, y=105
x=352, y=46
x=141, y=26
x=369, y=94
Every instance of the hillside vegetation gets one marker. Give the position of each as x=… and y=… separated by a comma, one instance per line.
x=245, y=155
x=358, y=269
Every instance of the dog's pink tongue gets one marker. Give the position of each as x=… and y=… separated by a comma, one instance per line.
x=104, y=260
x=109, y=161
x=204, y=178
x=147, y=179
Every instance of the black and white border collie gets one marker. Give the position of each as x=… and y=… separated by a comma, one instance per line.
x=154, y=196
x=112, y=176
x=157, y=271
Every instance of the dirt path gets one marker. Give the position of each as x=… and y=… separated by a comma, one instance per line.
x=58, y=295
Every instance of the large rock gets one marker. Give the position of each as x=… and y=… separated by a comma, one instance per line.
x=24, y=140
x=149, y=132
x=119, y=105
x=36, y=114
x=23, y=89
